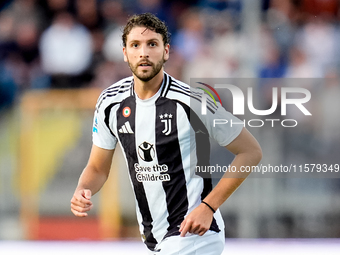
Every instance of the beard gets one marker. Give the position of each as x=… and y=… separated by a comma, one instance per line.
x=145, y=75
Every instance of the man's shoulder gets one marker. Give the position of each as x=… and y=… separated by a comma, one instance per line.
x=118, y=86
x=182, y=91
x=116, y=92
x=175, y=82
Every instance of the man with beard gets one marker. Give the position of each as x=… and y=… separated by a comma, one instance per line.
x=157, y=121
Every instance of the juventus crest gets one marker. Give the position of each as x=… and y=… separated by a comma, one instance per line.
x=166, y=119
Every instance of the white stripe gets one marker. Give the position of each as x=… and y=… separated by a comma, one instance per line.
x=124, y=129
x=188, y=153
x=128, y=127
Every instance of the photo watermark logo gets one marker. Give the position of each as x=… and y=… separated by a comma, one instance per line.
x=294, y=119
x=204, y=96
x=280, y=99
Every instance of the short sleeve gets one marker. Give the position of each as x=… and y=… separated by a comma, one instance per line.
x=223, y=126
x=102, y=136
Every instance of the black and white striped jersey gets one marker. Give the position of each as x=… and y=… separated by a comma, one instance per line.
x=163, y=138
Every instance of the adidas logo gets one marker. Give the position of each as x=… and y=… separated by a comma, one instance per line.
x=199, y=132
x=126, y=128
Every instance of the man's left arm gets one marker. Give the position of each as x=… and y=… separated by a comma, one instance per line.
x=247, y=153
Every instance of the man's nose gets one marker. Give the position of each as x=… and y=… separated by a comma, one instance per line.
x=144, y=52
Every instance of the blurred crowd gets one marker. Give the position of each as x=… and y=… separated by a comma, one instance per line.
x=77, y=43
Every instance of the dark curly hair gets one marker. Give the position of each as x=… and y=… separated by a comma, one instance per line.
x=148, y=21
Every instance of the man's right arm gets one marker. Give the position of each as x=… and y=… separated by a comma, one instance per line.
x=91, y=180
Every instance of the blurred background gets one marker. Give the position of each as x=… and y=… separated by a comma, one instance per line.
x=56, y=56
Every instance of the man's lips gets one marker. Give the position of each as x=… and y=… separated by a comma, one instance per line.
x=145, y=63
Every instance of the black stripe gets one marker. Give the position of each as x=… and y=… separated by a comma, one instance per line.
x=192, y=96
x=114, y=87
x=197, y=96
x=186, y=93
x=168, y=85
x=211, y=103
x=107, y=113
x=176, y=84
x=169, y=153
x=202, y=153
x=165, y=83
x=132, y=93
x=193, y=93
x=110, y=95
x=201, y=136
x=117, y=86
x=113, y=91
x=128, y=143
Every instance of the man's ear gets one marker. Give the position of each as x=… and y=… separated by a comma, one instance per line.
x=166, y=52
x=124, y=52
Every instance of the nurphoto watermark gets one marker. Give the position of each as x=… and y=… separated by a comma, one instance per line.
x=294, y=120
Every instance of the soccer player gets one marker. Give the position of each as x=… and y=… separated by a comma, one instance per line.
x=155, y=119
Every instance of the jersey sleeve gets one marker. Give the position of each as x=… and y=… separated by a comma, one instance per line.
x=221, y=125
x=102, y=136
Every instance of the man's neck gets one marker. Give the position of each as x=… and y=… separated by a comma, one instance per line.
x=145, y=90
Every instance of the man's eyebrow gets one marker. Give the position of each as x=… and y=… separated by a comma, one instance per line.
x=134, y=41
x=150, y=40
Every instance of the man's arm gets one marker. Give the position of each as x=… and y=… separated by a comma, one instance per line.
x=247, y=153
x=91, y=180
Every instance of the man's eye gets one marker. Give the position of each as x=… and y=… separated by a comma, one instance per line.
x=152, y=44
x=135, y=45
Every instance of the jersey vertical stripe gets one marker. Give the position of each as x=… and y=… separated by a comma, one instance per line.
x=169, y=153
x=202, y=153
x=129, y=146
x=107, y=117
